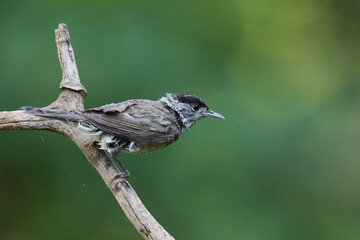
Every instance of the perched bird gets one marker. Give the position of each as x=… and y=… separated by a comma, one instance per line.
x=137, y=125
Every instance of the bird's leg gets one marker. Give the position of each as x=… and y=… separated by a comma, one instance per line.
x=125, y=173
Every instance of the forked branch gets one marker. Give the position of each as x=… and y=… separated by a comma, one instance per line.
x=72, y=98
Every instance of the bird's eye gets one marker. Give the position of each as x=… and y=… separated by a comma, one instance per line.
x=195, y=107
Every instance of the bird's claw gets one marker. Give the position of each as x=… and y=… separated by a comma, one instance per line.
x=123, y=175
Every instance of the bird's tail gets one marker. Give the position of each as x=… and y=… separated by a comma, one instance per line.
x=71, y=116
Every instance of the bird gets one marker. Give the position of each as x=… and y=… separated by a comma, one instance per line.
x=136, y=125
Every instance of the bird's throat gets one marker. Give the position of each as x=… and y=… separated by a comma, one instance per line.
x=179, y=118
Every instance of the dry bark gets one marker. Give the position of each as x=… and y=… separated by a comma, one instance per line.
x=72, y=98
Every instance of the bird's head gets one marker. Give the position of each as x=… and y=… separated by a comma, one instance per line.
x=189, y=108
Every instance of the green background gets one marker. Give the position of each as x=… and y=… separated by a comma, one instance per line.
x=283, y=165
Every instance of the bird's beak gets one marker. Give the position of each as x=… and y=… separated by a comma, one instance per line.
x=213, y=114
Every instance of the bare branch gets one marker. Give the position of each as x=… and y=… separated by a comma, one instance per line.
x=72, y=98
x=70, y=78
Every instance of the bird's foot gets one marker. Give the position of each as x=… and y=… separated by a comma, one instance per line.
x=92, y=142
x=124, y=175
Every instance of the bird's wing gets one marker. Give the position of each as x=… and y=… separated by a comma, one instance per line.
x=115, y=123
x=114, y=107
x=143, y=126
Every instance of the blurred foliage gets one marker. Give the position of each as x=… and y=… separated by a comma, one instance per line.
x=283, y=165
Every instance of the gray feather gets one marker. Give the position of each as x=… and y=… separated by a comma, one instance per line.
x=71, y=116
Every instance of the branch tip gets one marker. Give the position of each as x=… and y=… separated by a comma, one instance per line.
x=70, y=79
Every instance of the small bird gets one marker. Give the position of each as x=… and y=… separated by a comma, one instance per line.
x=136, y=125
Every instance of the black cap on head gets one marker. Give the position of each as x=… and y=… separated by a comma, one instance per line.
x=190, y=99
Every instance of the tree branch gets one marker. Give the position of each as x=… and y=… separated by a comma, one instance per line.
x=72, y=98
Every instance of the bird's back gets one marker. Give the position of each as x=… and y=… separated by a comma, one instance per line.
x=145, y=122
